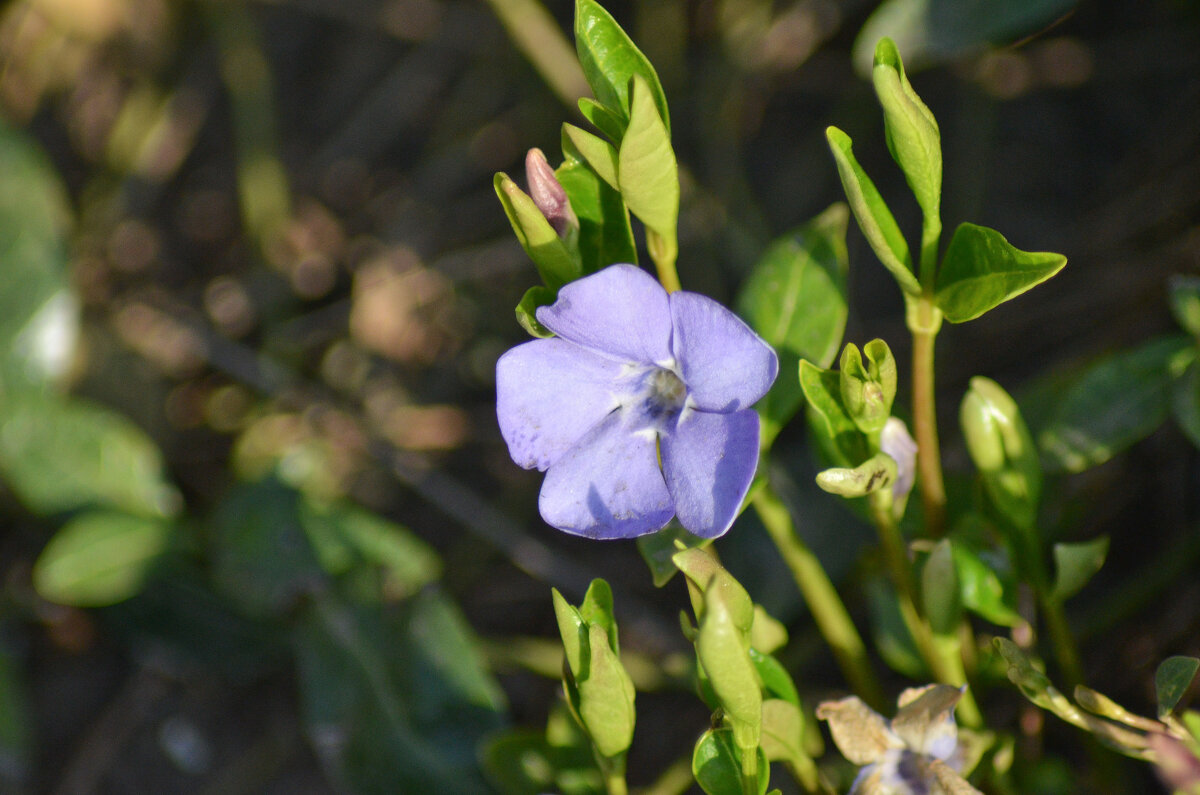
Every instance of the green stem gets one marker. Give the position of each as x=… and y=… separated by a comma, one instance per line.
x=924, y=320
x=942, y=655
x=1065, y=649
x=613, y=770
x=537, y=34
x=832, y=619
x=664, y=250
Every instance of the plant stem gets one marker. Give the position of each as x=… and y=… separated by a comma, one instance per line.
x=924, y=320
x=664, y=250
x=832, y=619
x=1065, y=649
x=613, y=770
x=941, y=654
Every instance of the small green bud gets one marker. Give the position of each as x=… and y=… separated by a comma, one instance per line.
x=912, y=132
x=874, y=474
x=1002, y=449
x=869, y=388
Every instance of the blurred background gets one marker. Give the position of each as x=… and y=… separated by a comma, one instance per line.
x=259, y=531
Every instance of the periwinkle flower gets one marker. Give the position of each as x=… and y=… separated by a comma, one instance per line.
x=915, y=753
x=896, y=441
x=638, y=410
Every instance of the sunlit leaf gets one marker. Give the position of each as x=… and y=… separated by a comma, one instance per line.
x=837, y=435
x=610, y=59
x=1118, y=400
x=981, y=589
x=99, y=558
x=646, y=170
x=1076, y=563
x=605, y=236
x=59, y=454
x=543, y=245
x=982, y=270
x=606, y=120
x=716, y=764
x=776, y=680
x=912, y=132
x=874, y=218
x=1003, y=451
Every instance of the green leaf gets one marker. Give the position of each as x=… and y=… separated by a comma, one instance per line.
x=99, y=558
x=605, y=236
x=344, y=536
x=606, y=697
x=38, y=311
x=837, y=435
x=60, y=454
x=597, y=609
x=1032, y=683
x=402, y=689
x=868, y=391
x=657, y=549
x=525, y=761
x=783, y=738
x=876, y=473
x=610, y=59
x=606, y=120
x=262, y=558
x=912, y=132
x=1076, y=563
x=716, y=764
x=579, y=144
x=981, y=270
x=1185, y=302
x=767, y=634
x=572, y=629
x=892, y=637
x=872, y=213
x=526, y=311
x=723, y=649
x=1172, y=679
x=1003, y=451
x=1185, y=402
x=776, y=681
x=981, y=588
x=1115, y=402
x=795, y=298
x=554, y=262
x=646, y=170
x=940, y=589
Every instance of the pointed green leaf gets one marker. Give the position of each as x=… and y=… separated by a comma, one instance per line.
x=658, y=548
x=610, y=59
x=776, y=681
x=1076, y=563
x=605, y=236
x=606, y=697
x=526, y=311
x=982, y=270
x=940, y=589
x=981, y=589
x=99, y=558
x=1118, y=400
x=783, y=739
x=646, y=170
x=767, y=634
x=723, y=650
x=912, y=132
x=1185, y=402
x=597, y=609
x=1003, y=451
x=59, y=454
x=868, y=390
x=607, y=121
x=573, y=630
x=1032, y=683
x=874, y=474
x=837, y=435
x=554, y=262
x=1172, y=679
x=874, y=218
x=795, y=298
x=593, y=150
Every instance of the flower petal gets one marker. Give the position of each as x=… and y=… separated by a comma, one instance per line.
x=549, y=393
x=859, y=732
x=725, y=365
x=709, y=461
x=621, y=312
x=608, y=485
x=926, y=722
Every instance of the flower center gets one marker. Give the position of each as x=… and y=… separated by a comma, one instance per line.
x=665, y=391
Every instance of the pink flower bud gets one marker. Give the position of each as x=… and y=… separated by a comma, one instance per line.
x=548, y=194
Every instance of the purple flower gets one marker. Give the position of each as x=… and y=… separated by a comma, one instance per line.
x=638, y=410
